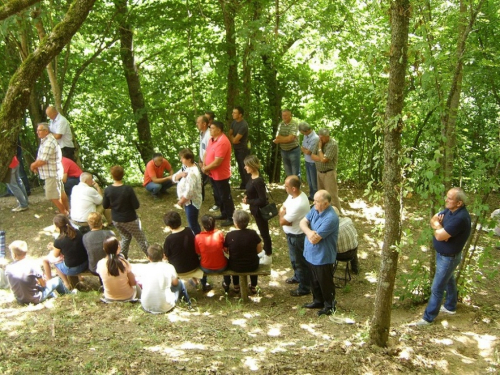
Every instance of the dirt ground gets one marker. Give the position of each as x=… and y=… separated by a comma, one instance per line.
x=272, y=334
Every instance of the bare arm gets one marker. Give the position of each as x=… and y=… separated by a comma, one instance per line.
x=282, y=214
x=284, y=138
x=236, y=139
x=217, y=161
x=259, y=247
x=311, y=235
x=439, y=232
x=131, y=279
x=57, y=136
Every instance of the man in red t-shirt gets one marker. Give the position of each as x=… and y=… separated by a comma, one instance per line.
x=154, y=181
x=71, y=175
x=217, y=165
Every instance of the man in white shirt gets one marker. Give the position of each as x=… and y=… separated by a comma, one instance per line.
x=86, y=198
x=294, y=209
x=59, y=127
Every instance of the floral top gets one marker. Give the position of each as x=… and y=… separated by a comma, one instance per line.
x=189, y=187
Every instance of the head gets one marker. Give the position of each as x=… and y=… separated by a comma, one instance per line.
x=155, y=253
x=172, y=220
x=455, y=198
x=117, y=172
x=186, y=156
x=252, y=164
x=87, y=178
x=324, y=135
x=42, y=130
x=210, y=116
x=64, y=226
x=238, y=113
x=305, y=128
x=18, y=249
x=286, y=116
x=208, y=222
x=216, y=129
x=157, y=159
x=202, y=123
x=241, y=219
x=51, y=112
x=322, y=200
x=111, y=246
x=292, y=185
x=95, y=220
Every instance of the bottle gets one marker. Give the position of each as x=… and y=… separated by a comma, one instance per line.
x=2, y=244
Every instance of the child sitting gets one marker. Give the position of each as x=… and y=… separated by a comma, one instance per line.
x=161, y=288
x=209, y=245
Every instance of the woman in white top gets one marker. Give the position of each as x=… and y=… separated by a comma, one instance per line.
x=188, y=181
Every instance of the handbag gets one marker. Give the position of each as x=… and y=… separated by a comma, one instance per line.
x=269, y=210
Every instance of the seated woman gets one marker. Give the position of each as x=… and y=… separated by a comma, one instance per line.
x=243, y=246
x=209, y=245
x=180, y=251
x=67, y=252
x=116, y=274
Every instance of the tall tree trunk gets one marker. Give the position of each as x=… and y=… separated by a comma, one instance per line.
x=381, y=321
x=21, y=84
x=145, y=145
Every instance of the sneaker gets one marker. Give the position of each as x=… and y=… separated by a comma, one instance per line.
x=227, y=223
x=421, y=323
x=266, y=259
x=446, y=311
x=214, y=208
x=19, y=209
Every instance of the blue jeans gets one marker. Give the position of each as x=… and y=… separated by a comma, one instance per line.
x=192, y=218
x=51, y=285
x=443, y=281
x=180, y=292
x=206, y=270
x=155, y=188
x=72, y=271
x=291, y=161
x=301, y=270
x=16, y=186
x=312, y=179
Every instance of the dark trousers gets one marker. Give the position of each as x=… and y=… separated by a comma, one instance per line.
x=236, y=280
x=263, y=226
x=240, y=155
x=223, y=190
x=322, y=285
x=351, y=255
x=217, y=199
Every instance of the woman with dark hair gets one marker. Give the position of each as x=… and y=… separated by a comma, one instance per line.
x=209, y=245
x=123, y=203
x=116, y=274
x=67, y=252
x=255, y=197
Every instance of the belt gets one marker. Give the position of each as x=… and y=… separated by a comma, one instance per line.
x=295, y=235
x=326, y=171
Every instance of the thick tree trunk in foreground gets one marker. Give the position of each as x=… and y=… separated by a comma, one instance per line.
x=381, y=321
x=21, y=84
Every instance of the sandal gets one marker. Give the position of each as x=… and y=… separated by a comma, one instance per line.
x=252, y=289
x=236, y=288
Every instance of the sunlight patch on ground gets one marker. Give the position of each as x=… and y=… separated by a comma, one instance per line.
x=255, y=332
x=311, y=329
x=190, y=345
x=374, y=214
x=251, y=363
x=168, y=351
x=371, y=277
x=485, y=343
x=406, y=353
x=175, y=317
x=274, y=330
x=443, y=341
x=240, y=322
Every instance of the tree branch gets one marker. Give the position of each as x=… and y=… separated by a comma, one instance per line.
x=15, y=6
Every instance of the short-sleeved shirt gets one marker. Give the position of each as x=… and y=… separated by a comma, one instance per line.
x=14, y=163
x=296, y=209
x=73, y=250
x=210, y=247
x=157, y=297
x=330, y=151
x=242, y=246
x=189, y=187
x=70, y=168
x=22, y=275
x=122, y=201
x=292, y=128
x=84, y=200
x=240, y=128
x=180, y=251
x=219, y=148
x=310, y=141
x=457, y=225
x=50, y=152
x=116, y=287
x=348, y=236
x=153, y=171
x=326, y=224
x=61, y=126
x=204, y=138
x=93, y=243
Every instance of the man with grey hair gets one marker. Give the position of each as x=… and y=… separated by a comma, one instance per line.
x=309, y=142
x=288, y=140
x=49, y=167
x=59, y=127
x=325, y=155
x=87, y=198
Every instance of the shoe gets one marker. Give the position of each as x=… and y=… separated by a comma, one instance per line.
x=214, y=208
x=325, y=312
x=227, y=223
x=446, y=311
x=219, y=217
x=266, y=260
x=314, y=305
x=297, y=293
x=225, y=286
x=356, y=271
x=291, y=280
x=252, y=289
x=207, y=288
x=19, y=209
x=421, y=323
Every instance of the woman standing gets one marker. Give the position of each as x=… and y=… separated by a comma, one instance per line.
x=123, y=203
x=256, y=198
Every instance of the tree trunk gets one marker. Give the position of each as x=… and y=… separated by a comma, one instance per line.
x=144, y=146
x=381, y=321
x=21, y=84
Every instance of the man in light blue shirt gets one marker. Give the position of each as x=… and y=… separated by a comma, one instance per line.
x=321, y=227
x=309, y=142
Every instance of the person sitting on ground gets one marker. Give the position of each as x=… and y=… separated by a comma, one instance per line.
x=161, y=287
x=209, y=245
x=116, y=274
x=243, y=246
x=69, y=244
x=347, y=244
x=26, y=278
x=154, y=181
x=71, y=175
x=94, y=239
x=180, y=250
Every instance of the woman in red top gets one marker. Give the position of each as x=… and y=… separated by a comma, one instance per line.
x=209, y=245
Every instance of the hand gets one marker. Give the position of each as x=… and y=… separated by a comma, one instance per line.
x=440, y=218
x=180, y=204
x=275, y=141
x=313, y=237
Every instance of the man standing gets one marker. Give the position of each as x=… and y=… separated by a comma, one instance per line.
x=347, y=245
x=59, y=127
x=202, y=125
x=238, y=135
x=321, y=226
x=154, y=180
x=16, y=186
x=289, y=143
x=48, y=165
x=294, y=209
x=217, y=165
x=309, y=142
x=325, y=155
x=87, y=198
x=451, y=231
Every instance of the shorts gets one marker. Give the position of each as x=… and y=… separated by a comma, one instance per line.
x=53, y=188
x=72, y=271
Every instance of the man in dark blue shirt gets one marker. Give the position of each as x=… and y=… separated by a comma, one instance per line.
x=451, y=231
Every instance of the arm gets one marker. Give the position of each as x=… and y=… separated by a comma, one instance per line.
x=41, y=281
x=439, y=232
x=282, y=219
x=37, y=164
x=105, y=202
x=259, y=247
x=236, y=139
x=133, y=199
x=285, y=138
x=57, y=136
x=217, y=161
x=131, y=279
x=311, y=235
x=260, y=187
